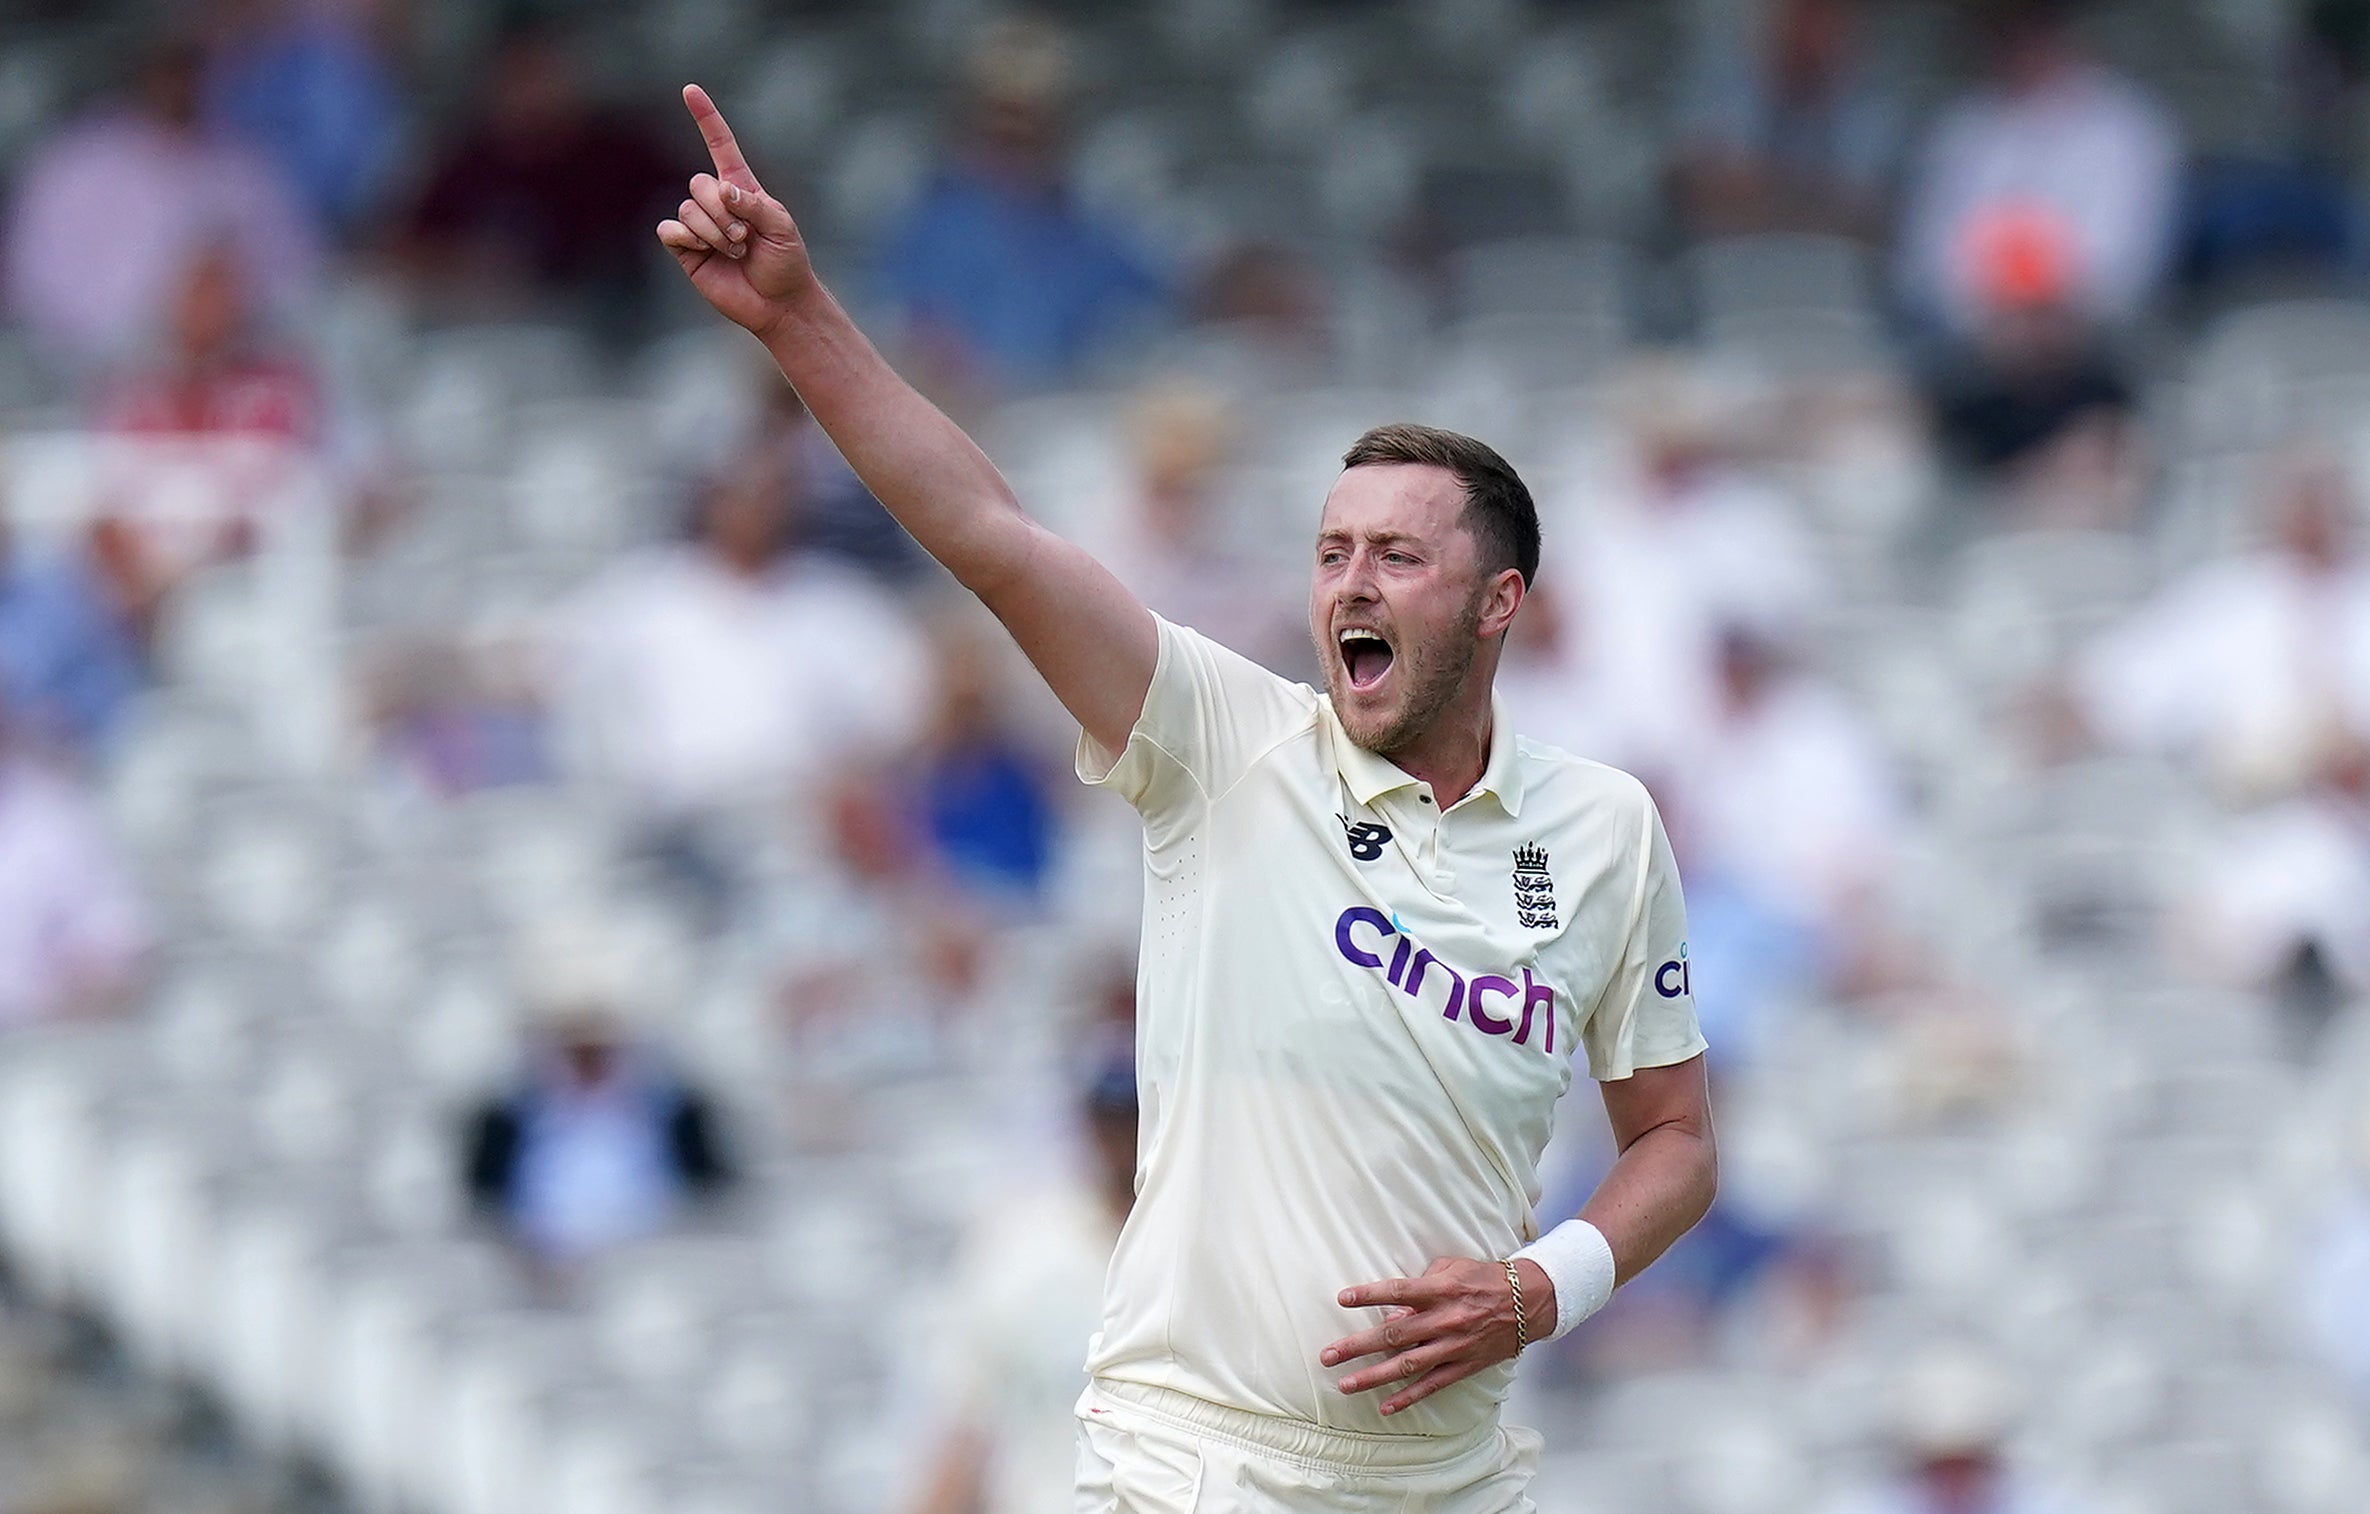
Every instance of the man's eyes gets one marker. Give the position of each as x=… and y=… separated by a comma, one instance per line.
x=1332, y=556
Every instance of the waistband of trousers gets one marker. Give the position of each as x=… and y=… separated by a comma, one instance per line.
x=1296, y=1439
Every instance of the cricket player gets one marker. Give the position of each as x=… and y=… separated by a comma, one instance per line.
x=1379, y=927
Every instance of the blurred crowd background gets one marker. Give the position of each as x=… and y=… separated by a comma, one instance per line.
x=550, y=965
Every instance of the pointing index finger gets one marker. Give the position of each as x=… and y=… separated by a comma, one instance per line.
x=1411, y=1291
x=731, y=167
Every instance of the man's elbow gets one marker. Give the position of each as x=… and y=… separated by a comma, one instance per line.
x=995, y=556
x=1707, y=1175
x=1695, y=1155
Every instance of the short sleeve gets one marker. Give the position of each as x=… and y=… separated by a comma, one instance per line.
x=1209, y=715
x=1646, y=1015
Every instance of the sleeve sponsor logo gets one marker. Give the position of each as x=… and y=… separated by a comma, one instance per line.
x=1671, y=979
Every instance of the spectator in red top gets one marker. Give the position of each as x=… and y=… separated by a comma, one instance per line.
x=235, y=420
x=216, y=376
x=546, y=193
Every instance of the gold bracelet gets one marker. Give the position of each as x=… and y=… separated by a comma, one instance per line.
x=1522, y=1330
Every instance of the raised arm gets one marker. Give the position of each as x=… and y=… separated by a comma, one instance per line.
x=1090, y=639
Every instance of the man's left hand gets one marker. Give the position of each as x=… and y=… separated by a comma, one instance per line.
x=1440, y=1328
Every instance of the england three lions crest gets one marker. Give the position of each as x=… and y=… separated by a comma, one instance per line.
x=1534, y=889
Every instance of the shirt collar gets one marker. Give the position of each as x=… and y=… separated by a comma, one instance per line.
x=1370, y=775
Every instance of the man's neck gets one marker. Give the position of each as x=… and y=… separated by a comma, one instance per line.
x=1451, y=756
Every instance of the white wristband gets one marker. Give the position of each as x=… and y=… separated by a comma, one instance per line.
x=1579, y=1261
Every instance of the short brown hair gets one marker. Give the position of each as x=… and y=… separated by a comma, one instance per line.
x=1498, y=508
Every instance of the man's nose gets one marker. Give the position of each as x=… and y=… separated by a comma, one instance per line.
x=1357, y=578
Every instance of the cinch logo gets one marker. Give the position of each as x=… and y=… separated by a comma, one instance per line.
x=1410, y=964
x=1671, y=978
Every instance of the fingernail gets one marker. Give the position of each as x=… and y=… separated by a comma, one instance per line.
x=732, y=194
x=1329, y=1358
x=738, y=250
x=737, y=230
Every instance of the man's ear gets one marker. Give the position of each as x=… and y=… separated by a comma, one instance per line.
x=1499, y=601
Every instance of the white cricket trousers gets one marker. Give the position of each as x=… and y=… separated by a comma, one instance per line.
x=1145, y=1450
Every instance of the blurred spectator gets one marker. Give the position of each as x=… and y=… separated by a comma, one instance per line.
x=998, y=278
x=730, y=668
x=2048, y=139
x=1170, y=545
x=216, y=373
x=600, y=1140
x=72, y=927
x=162, y=187
x=236, y=418
x=986, y=798
x=869, y=998
x=452, y=718
x=2254, y=671
x=1788, y=789
x=306, y=82
x=1694, y=541
x=1783, y=812
x=1025, y=1297
x=544, y=193
x=1555, y=682
x=1953, y=1408
x=1787, y=130
x=2034, y=393
x=1261, y=319
x=68, y=660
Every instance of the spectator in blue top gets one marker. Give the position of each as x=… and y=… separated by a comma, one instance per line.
x=986, y=797
x=999, y=279
x=307, y=84
x=67, y=659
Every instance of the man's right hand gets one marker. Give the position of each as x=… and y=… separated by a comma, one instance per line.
x=737, y=243
x=1093, y=642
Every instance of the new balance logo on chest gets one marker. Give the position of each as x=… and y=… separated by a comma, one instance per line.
x=1366, y=839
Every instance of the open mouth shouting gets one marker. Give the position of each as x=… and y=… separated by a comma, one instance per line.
x=1366, y=655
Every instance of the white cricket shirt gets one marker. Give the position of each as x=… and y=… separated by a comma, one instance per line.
x=1355, y=1014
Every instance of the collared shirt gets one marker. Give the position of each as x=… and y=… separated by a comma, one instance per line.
x=699, y=685
x=1355, y=1015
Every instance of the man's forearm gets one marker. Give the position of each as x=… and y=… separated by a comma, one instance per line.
x=1093, y=642
x=918, y=463
x=1656, y=1191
